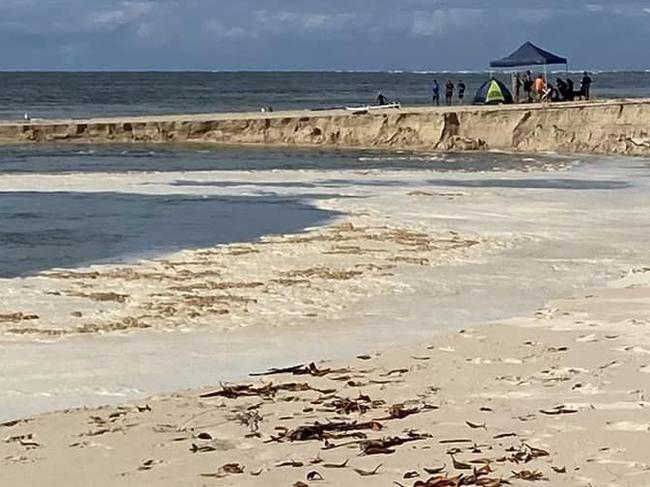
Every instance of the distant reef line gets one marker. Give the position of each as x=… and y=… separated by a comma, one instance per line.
x=603, y=127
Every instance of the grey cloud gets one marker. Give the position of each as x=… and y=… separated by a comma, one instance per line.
x=311, y=34
x=427, y=23
x=123, y=14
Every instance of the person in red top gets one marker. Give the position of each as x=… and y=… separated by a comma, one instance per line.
x=540, y=87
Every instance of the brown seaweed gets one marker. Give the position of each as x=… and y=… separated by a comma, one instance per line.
x=318, y=431
x=531, y=476
x=386, y=446
x=368, y=473
x=302, y=369
x=314, y=475
x=558, y=410
x=337, y=465
x=265, y=391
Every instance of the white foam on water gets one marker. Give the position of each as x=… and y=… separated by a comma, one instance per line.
x=56, y=374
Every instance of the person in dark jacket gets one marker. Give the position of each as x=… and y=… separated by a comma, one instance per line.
x=528, y=86
x=562, y=89
x=570, y=90
x=517, y=85
x=449, y=92
x=585, y=86
x=461, y=92
x=381, y=99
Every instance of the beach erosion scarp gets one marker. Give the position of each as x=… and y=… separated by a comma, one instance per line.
x=618, y=127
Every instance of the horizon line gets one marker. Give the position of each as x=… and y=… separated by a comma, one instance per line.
x=333, y=71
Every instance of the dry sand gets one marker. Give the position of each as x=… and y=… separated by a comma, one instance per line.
x=561, y=397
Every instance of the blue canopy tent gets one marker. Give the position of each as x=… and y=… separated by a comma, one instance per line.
x=529, y=55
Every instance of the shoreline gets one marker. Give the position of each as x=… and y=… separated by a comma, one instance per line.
x=406, y=252
x=557, y=395
x=597, y=127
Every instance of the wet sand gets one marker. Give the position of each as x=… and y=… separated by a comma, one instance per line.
x=415, y=254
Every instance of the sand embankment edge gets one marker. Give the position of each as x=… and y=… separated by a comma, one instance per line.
x=606, y=127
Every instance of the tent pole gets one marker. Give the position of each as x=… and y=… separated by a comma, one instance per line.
x=546, y=75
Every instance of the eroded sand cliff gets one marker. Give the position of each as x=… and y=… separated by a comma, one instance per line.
x=609, y=127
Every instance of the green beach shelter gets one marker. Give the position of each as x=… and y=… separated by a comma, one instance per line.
x=493, y=92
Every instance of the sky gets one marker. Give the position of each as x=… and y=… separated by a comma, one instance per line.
x=316, y=35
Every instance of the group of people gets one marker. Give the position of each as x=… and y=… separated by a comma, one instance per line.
x=539, y=89
x=526, y=89
x=450, y=88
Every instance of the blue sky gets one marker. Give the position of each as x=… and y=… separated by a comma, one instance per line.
x=310, y=34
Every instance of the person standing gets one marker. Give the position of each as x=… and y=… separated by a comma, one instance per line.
x=570, y=90
x=585, y=86
x=516, y=84
x=381, y=99
x=461, y=92
x=562, y=89
x=540, y=87
x=528, y=86
x=449, y=92
x=435, y=93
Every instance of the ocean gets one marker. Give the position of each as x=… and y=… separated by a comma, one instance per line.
x=44, y=227
x=88, y=94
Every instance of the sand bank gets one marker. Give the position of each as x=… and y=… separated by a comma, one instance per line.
x=608, y=127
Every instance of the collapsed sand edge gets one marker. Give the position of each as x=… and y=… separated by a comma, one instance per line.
x=606, y=127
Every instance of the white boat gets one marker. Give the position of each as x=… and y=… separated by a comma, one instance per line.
x=367, y=108
x=385, y=107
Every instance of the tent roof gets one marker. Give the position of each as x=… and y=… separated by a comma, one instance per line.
x=528, y=55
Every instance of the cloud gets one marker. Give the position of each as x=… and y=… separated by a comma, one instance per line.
x=279, y=21
x=312, y=34
x=440, y=21
x=215, y=28
x=534, y=16
x=129, y=13
x=590, y=7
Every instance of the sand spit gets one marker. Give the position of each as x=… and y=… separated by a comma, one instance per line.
x=604, y=127
x=282, y=280
x=559, y=399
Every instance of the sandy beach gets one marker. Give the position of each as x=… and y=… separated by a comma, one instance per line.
x=441, y=329
x=558, y=398
x=339, y=244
